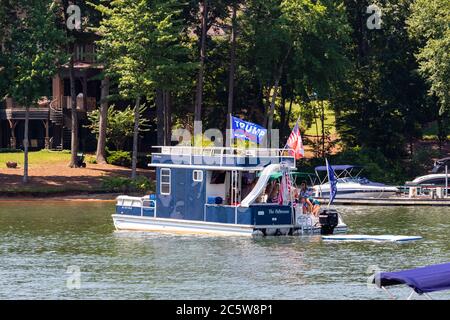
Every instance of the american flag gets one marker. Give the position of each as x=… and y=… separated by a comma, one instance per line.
x=285, y=188
x=295, y=143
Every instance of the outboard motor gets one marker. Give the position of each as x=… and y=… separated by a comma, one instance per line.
x=328, y=219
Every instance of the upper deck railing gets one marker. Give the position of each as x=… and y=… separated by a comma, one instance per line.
x=224, y=156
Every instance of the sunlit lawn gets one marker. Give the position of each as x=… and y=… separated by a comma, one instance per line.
x=330, y=123
x=36, y=157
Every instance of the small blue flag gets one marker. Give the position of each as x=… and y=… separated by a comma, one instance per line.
x=333, y=182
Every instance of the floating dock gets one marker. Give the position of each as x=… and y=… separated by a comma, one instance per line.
x=393, y=201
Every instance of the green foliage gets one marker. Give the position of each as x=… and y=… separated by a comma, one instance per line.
x=429, y=22
x=119, y=158
x=35, y=47
x=376, y=166
x=120, y=124
x=136, y=36
x=91, y=159
x=421, y=162
x=382, y=102
x=121, y=184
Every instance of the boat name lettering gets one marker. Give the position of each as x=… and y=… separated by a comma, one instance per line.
x=278, y=211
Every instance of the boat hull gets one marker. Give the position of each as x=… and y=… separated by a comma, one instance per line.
x=360, y=194
x=139, y=223
x=151, y=224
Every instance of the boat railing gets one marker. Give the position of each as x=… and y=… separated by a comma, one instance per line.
x=142, y=203
x=225, y=152
x=148, y=204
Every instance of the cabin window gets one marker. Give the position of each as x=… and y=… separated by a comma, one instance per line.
x=197, y=175
x=165, y=181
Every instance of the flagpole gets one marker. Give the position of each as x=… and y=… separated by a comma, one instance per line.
x=329, y=181
x=231, y=132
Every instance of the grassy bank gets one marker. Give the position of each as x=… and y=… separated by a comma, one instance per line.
x=35, y=157
x=50, y=175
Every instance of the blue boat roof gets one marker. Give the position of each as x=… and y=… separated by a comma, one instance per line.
x=338, y=167
x=422, y=280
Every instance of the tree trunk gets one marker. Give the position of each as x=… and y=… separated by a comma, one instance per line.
x=232, y=68
x=288, y=117
x=322, y=118
x=283, y=113
x=103, y=122
x=25, y=145
x=167, y=118
x=74, y=129
x=135, y=137
x=160, y=117
x=199, y=89
x=317, y=130
x=273, y=99
x=271, y=112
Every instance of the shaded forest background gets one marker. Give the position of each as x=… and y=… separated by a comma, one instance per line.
x=271, y=61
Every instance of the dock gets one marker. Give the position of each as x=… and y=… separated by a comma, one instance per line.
x=393, y=201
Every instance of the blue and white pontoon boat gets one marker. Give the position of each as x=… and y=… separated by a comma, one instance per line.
x=221, y=191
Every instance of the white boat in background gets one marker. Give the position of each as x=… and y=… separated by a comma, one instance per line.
x=437, y=178
x=429, y=180
x=351, y=185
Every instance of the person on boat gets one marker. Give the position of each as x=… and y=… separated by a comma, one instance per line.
x=273, y=197
x=304, y=205
x=314, y=206
x=303, y=189
x=247, y=186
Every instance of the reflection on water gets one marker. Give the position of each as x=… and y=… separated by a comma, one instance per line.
x=40, y=240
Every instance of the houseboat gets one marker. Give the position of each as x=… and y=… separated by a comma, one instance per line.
x=224, y=191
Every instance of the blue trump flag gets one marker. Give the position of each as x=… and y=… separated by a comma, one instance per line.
x=245, y=130
x=333, y=181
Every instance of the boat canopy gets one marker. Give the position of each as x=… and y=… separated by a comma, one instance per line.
x=343, y=167
x=294, y=175
x=346, y=170
x=421, y=280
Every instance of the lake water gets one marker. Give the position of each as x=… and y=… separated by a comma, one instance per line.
x=44, y=244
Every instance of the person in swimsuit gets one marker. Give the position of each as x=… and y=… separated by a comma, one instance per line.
x=314, y=206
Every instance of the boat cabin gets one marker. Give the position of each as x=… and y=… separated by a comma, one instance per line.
x=219, y=185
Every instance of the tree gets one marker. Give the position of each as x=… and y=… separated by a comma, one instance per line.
x=232, y=62
x=34, y=49
x=429, y=24
x=199, y=89
x=4, y=21
x=380, y=103
x=294, y=42
x=89, y=18
x=102, y=122
x=124, y=49
x=120, y=125
x=135, y=38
